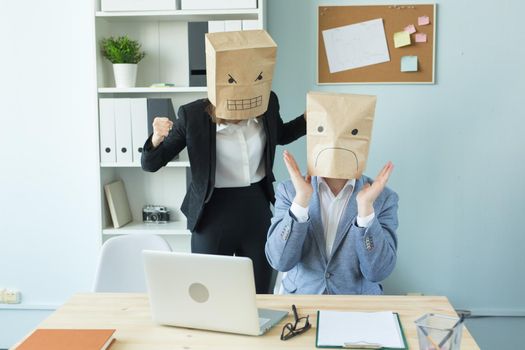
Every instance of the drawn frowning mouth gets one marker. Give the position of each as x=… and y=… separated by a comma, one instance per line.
x=249, y=103
x=337, y=148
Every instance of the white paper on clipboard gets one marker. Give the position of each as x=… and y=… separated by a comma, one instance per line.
x=356, y=45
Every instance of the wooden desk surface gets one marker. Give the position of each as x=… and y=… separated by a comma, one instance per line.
x=130, y=315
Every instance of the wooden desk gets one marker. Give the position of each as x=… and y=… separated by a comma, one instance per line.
x=130, y=315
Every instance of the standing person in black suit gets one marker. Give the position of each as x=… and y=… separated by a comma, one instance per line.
x=231, y=139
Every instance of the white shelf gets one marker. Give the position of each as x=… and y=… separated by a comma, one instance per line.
x=181, y=15
x=152, y=90
x=172, y=228
x=175, y=164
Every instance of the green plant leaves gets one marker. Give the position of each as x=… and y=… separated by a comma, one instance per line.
x=121, y=50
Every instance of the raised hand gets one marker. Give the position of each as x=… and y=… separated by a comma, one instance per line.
x=302, y=184
x=369, y=193
x=161, y=128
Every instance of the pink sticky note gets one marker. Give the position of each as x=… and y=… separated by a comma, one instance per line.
x=411, y=29
x=421, y=38
x=423, y=21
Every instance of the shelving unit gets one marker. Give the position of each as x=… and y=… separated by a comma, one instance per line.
x=153, y=90
x=181, y=15
x=175, y=164
x=164, y=38
x=172, y=228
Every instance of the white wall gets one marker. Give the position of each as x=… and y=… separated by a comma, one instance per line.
x=49, y=192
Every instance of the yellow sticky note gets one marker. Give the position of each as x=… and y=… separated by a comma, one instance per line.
x=401, y=39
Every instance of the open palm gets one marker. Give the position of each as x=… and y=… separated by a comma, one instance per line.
x=302, y=184
x=369, y=193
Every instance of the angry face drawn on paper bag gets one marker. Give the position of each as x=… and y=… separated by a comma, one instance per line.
x=239, y=72
x=339, y=129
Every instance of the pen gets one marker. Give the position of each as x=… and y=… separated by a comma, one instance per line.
x=362, y=345
x=447, y=337
x=437, y=347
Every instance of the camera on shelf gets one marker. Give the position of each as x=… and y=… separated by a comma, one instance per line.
x=155, y=214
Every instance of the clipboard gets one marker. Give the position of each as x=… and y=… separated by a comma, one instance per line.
x=342, y=347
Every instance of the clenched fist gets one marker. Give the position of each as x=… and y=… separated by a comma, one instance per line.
x=161, y=128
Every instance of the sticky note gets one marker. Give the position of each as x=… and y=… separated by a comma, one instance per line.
x=421, y=38
x=411, y=29
x=401, y=39
x=409, y=64
x=423, y=21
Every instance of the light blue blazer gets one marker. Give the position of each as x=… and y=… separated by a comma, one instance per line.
x=360, y=259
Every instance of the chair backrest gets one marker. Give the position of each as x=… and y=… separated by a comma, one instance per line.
x=120, y=267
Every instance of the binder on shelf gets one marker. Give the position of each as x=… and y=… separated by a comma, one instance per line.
x=245, y=24
x=251, y=24
x=358, y=330
x=123, y=130
x=196, y=53
x=107, y=131
x=139, y=126
x=232, y=26
x=118, y=203
x=215, y=26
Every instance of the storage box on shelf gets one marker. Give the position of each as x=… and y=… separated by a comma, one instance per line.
x=138, y=5
x=218, y=5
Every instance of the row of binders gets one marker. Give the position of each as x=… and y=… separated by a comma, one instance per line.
x=126, y=123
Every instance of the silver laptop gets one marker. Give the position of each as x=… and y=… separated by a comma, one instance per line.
x=209, y=292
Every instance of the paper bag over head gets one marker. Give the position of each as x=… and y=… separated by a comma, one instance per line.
x=339, y=129
x=239, y=72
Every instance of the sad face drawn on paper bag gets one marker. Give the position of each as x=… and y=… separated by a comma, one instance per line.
x=339, y=128
x=239, y=72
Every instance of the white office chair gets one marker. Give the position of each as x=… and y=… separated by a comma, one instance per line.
x=120, y=267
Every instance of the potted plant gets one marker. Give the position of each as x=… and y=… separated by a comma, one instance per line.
x=124, y=53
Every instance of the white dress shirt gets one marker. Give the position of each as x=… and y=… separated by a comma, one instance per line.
x=332, y=208
x=240, y=150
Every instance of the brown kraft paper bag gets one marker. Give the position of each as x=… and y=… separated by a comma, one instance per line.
x=239, y=72
x=339, y=129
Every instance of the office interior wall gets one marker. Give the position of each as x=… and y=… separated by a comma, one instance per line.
x=49, y=215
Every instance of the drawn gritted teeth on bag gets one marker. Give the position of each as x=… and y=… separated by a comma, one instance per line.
x=249, y=103
x=335, y=149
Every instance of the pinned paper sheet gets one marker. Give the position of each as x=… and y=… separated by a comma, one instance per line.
x=401, y=39
x=423, y=21
x=356, y=45
x=409, y=64
x=411, y=29
x=421, y=38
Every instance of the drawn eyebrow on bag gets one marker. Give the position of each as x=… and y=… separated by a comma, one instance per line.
x=259, y=77
x=232, y=79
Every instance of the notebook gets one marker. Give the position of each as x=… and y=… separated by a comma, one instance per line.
x=374, y=330
x=69, y=339
x=118, y=203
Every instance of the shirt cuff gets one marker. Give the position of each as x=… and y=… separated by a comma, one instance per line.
x=148, y=145
x=300, y=213
x=366, y=221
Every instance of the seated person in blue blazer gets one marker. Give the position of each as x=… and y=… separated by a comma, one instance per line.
x=334, y=232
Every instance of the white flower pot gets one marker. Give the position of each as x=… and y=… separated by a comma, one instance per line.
x=125, y=74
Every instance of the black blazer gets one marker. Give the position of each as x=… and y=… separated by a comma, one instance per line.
x=194, y=129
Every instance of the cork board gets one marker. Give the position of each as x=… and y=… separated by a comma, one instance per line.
x=395, y=19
